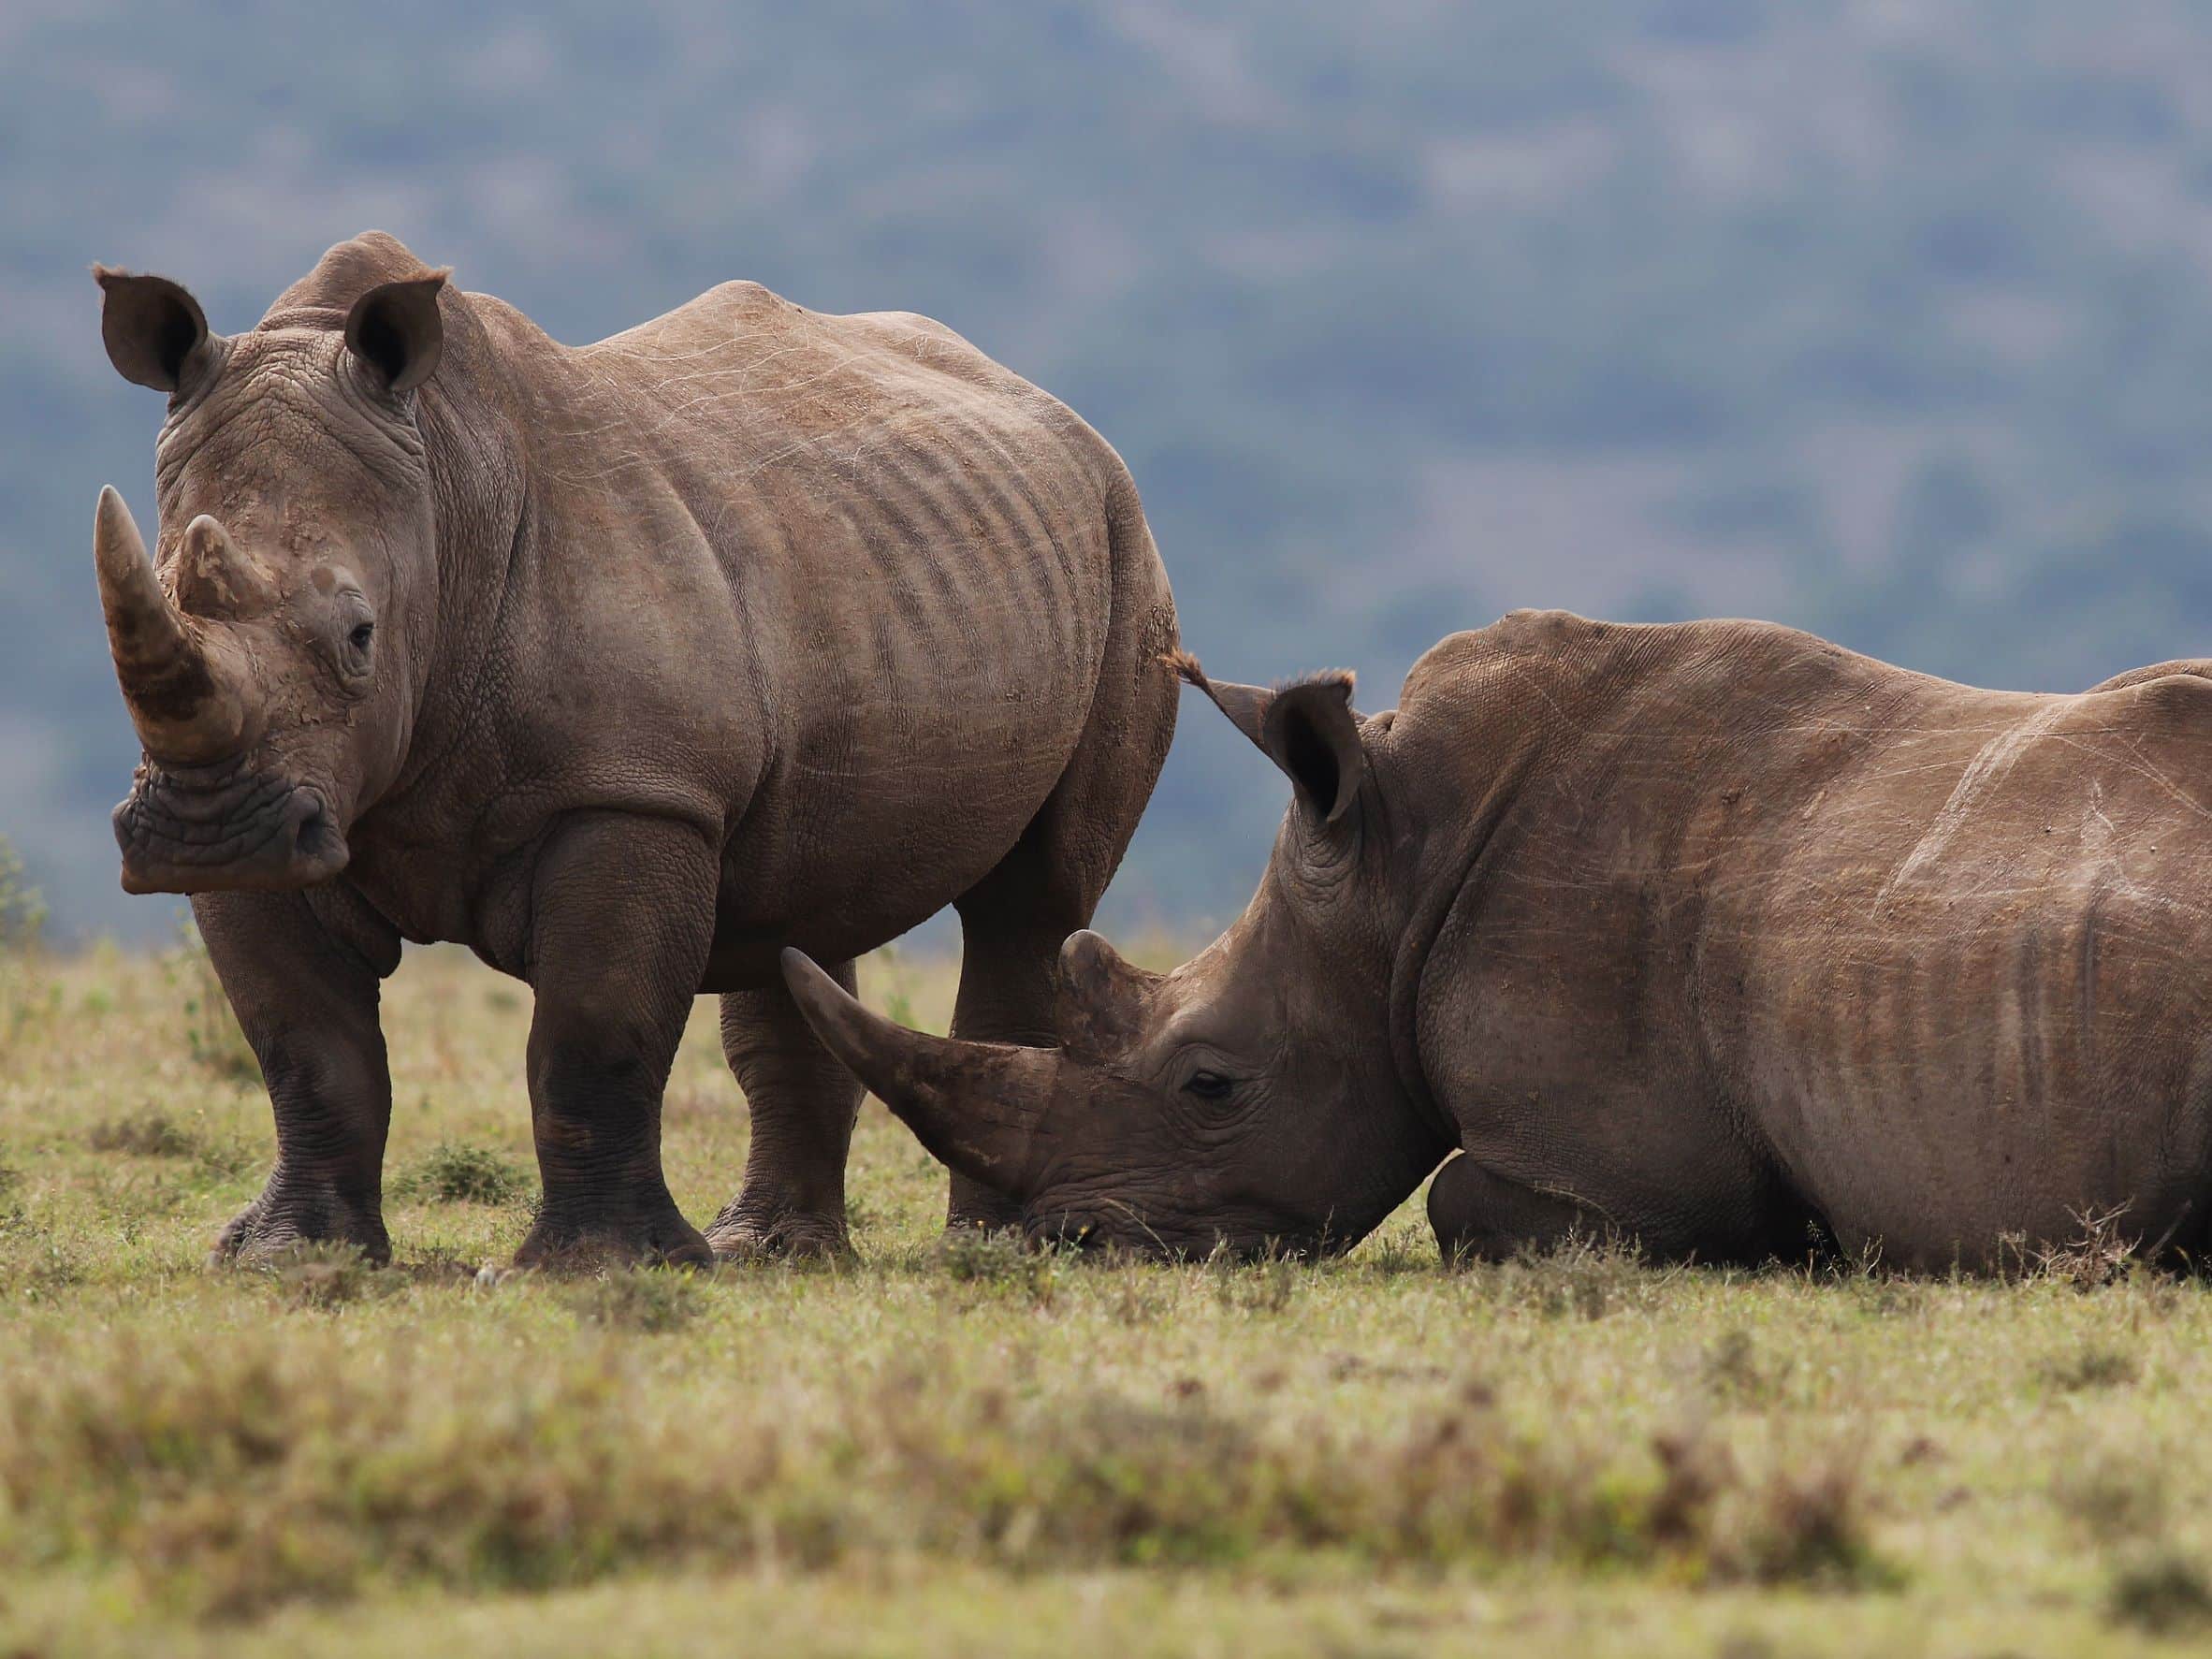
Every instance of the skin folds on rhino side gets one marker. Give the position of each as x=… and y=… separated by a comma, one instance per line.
x=626, y=666
x=1706, y=933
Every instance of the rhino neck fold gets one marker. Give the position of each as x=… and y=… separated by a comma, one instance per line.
x=479, y=500
x=1460, y=876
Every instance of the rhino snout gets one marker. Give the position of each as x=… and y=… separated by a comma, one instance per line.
x=208, y=829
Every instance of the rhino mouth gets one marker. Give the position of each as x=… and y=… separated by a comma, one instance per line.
x=225, y=827
x=1119, y=1230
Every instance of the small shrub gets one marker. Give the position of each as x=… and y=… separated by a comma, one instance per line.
x=650, y=1301
x=437, y=1265
x=2164, y=1595
x=1139, y=1296
x=996, y=1257
x=325, y=1276
x=1807, y=1528
x=150, y=1133
x=2093, y=1365
x=1581, y=1276
x=1733, y=1370
x=2098, y=1255
x=2114, y=1498
x=1266, y=1286
x=1695, y=1470
x=456, y=1173
x=23, y=907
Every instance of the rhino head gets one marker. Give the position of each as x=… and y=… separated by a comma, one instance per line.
x=1250, y=1100
x=274, y=647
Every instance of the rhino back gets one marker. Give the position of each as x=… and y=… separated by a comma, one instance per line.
x=836, y=589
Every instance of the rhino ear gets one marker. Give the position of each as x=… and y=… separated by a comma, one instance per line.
x=396, y=331
x=1308, y=728
x=156, y=333
x=1313, y=735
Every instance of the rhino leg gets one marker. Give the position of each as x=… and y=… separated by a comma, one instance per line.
x=622, y=910
x=803, y=1103
x=1005, y=996
x=306, y=999
x=1478, y=1216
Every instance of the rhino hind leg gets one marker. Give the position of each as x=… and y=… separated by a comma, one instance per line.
x=621, y=914
x=804, y=1103
x=1013, y=922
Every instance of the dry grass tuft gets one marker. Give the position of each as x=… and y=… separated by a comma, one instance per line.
x=326, y=1275
x=237, y=1476
x=1581, y=1276
x=2092, y=1365
x=645, y=1301
x=150, y=1133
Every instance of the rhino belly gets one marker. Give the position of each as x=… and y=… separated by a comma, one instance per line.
x=1994, y=1072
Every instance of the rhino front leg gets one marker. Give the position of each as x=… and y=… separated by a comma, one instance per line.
x=301, y=974
x=803, y=1103
x=1478, y=1216
x=622, y=913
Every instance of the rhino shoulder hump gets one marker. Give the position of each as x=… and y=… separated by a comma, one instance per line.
x=2183, y=669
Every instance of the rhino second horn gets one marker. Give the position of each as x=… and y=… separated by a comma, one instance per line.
x=1101, y=997
x=975, y=1106
x=185, y=708
x=214, y=578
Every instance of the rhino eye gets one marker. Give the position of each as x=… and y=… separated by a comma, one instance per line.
x=363, y=632
x=1209, y=1086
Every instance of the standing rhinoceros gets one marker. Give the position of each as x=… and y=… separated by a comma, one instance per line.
x=626, y=666
x=1706, y=933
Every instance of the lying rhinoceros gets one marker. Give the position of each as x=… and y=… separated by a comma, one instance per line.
x=626, y=666
x=1712, y=934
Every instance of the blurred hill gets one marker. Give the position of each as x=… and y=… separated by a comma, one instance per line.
x=1892, y=321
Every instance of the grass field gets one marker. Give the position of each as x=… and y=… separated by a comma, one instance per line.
x=968, y=1449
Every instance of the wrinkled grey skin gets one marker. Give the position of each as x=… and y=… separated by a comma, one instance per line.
x=1716, y=935
x=626, y=666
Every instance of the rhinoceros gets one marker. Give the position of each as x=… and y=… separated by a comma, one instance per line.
x=1713, y=934
x=626, y=666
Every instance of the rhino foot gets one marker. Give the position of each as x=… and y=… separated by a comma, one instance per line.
x=287, y=1215
x=568, y=1244
x=739, y=1234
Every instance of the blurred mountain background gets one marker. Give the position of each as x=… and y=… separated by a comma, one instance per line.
x=1891, y=320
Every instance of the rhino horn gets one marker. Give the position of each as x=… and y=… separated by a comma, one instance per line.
x=214, y=578
x=186, y=707
x=974, y=1105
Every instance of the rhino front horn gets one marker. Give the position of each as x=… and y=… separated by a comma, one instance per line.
x=185, y=706
x=974, y=1105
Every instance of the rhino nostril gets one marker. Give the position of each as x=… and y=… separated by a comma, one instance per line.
x=315, y=837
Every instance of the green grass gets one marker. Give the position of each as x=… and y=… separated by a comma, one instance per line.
x=958, y=1446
